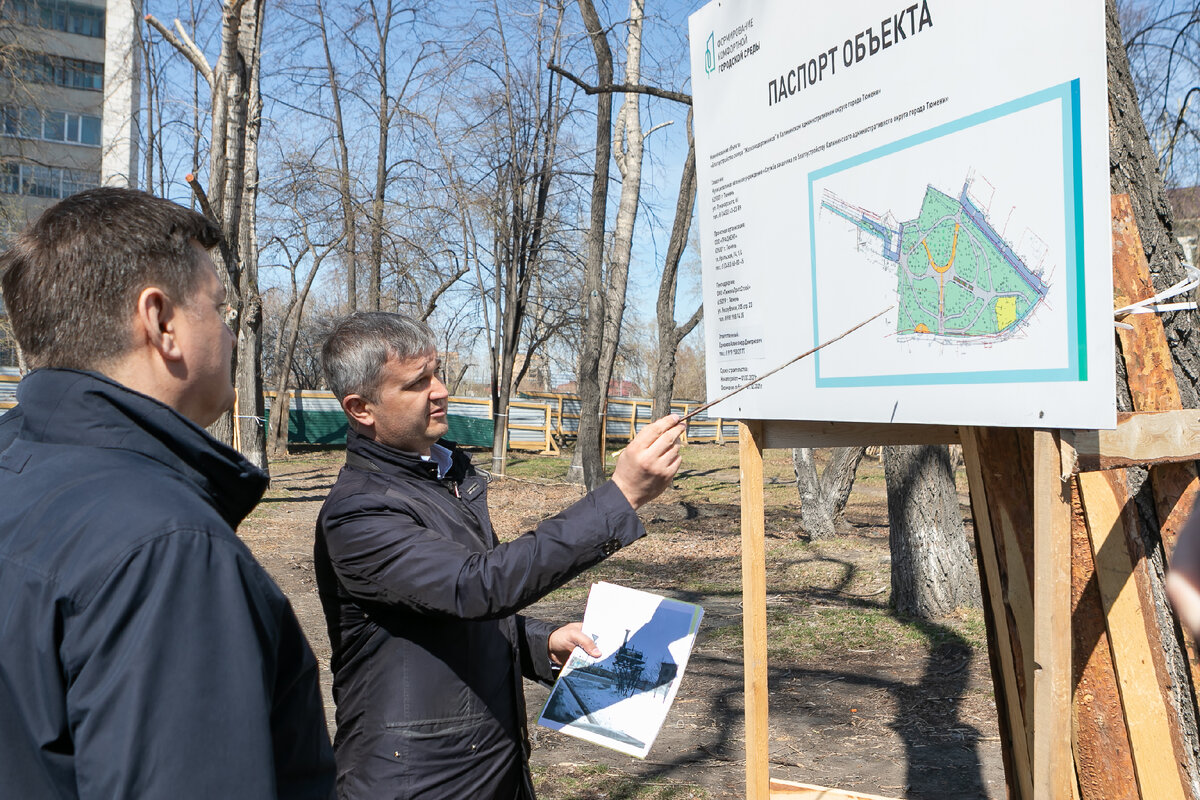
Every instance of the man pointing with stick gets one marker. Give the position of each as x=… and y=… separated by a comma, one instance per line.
x=421, y=600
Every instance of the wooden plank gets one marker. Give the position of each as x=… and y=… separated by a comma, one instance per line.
x=1002, y=651
x=1053, y=770
x=754, y=608
x=1148, y=718
x=1007, y=458
x=1141, y=438
x=788, y=790
x=786, y=434
x=1103, y=757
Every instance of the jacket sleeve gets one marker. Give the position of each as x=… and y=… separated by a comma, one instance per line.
x=177, y=685
x=385, y=557
x=533, y=645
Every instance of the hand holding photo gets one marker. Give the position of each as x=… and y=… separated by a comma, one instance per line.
x=621, y=699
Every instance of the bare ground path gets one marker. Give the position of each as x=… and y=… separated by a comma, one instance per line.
x=859, y=698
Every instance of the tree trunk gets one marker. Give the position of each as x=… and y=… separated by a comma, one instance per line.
x=591, y=394
x=815, y=514
x=932, y=571
x=838, y=479
x=345, y=178
x=628, y=149
x=524, y=180
x=277, y=440
x=670, y=334
x=823, y=499
x=232, y=195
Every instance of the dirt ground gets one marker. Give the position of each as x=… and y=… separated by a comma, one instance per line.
x=860, y=699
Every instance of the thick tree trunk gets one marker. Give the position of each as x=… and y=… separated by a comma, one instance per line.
x=932, y=571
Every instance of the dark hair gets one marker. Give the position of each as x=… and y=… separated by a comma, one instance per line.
x=359, y=345
x=71, y=279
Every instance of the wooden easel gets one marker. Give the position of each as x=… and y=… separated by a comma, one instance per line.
x=1062, y=569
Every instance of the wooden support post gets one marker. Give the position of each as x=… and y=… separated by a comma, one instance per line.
x=1136, y=655
x=1053, y=767
x=995, y=569
x=754, y=608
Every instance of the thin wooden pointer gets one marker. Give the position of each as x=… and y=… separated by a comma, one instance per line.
x=805, y=354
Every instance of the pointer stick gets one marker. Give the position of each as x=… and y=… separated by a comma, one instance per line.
x=806, y=353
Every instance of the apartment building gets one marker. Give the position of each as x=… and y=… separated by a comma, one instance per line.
x=68, y=101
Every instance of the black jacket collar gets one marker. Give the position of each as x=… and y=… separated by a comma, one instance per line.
x=72, y=407
x=394, y=461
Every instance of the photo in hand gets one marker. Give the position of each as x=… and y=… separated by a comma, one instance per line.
x=621, y=699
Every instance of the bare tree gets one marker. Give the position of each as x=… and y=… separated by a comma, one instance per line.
x=628, y=144
x=669, y=333
x=1162, y=40
x=232, y=196
x=590, y=461
x=604, y=297
x=298, y=247
x=345, y=178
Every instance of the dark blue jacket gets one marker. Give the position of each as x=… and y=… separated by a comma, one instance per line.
x=421, y=601
x=143, y=651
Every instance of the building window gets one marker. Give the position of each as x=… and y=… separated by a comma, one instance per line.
x=50, y=182
x=59, y=15
x=72, y=73
x=50, y=126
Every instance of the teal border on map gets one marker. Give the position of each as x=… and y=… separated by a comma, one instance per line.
x=1067, y=94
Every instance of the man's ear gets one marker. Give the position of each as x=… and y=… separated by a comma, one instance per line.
x=359, y=410
x=154, y=323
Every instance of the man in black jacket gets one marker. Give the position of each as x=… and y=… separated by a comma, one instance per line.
x=422, y=601
x=143, y=651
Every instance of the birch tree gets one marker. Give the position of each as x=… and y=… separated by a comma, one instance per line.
x=604, y=290
x=231, y=197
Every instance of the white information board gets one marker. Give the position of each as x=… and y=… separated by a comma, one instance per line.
x=946, y=158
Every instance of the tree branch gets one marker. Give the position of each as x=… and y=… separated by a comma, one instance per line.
x=627, y=88
x=184, y=44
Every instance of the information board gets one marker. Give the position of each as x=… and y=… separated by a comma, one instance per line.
x=946, y=159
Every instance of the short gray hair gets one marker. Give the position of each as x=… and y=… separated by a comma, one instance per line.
x=359, y=345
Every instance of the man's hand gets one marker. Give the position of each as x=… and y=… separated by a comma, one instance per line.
x=648, y=464
x=564, y=641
